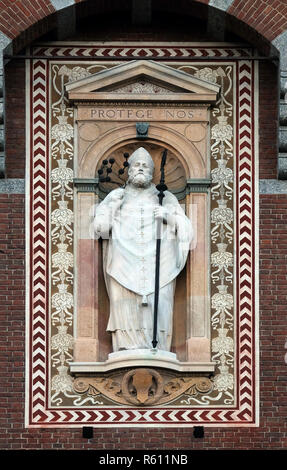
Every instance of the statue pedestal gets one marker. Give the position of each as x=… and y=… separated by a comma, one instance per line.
x=141, y=358
x=138, y=355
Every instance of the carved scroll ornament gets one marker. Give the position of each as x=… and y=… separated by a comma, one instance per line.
x=142, y=387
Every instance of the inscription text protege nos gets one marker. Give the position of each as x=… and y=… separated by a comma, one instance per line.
x=147, y=114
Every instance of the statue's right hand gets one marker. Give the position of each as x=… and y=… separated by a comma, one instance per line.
x=97, y=227
x=117, y=197
x=102, y=229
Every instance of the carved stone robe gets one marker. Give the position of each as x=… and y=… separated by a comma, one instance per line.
x=129, y=264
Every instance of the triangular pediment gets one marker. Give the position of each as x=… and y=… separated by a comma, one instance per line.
x=144, y=85
x=142, y=80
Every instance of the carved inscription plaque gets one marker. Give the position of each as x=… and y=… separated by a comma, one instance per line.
x=137, y=113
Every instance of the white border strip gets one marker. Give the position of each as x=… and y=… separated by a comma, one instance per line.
x=27, y=241
x=256, y=242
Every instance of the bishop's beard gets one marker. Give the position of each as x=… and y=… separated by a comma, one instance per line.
x=140, y=180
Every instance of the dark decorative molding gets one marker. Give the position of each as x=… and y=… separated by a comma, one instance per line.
x=198, y=185
x=86, y=185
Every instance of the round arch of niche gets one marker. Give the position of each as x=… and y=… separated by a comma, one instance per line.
x=192, y=157
x=186, y=159
x=175, y=173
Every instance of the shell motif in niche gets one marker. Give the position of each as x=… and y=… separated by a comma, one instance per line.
x=175, y=177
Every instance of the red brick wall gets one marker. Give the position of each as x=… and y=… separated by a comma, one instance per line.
x=15, y=110
x=268, y=120
x=273, y=326
x=12, y=317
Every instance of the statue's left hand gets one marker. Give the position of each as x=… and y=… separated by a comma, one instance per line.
x=161, y=212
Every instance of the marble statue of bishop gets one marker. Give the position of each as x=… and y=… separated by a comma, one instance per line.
x=126, y=220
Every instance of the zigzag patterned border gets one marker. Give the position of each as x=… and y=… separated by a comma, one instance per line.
x=39, y=233
x=245, y=238
x=143, y=52
x=39, y=412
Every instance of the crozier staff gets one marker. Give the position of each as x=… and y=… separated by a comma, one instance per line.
x=126, y=220
x=161, y=187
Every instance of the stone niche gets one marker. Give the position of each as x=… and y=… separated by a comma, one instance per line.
x=173, y=110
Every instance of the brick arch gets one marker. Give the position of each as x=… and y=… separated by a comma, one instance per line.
x=266, y=18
